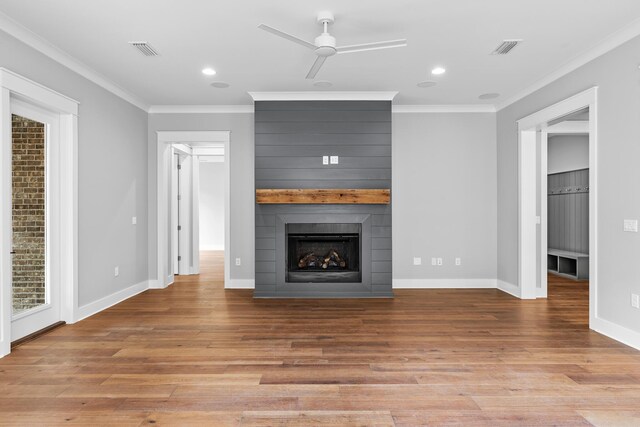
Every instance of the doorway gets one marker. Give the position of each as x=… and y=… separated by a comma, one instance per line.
x=567, y=196
x=182, y=157
x=575, y=115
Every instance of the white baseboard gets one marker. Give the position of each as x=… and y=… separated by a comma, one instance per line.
x=617, y=332
x=240, y=284
x=155, y=284
x=444, y=283
x=110, y=300
x=509, y=288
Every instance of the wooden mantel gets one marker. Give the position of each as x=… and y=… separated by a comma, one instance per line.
x=315, y=196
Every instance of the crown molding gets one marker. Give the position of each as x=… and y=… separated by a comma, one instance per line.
x=608, y=44
x=323, y=96
x=453, y=108
x=36, y=42
x=200, y=109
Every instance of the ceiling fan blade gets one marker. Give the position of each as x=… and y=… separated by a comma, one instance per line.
x=316, y=66
x=371, y=46
x=287, y=36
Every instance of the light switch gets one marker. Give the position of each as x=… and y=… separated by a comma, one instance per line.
x=334, y=160
x=325, y=160
x=134, y=220
x=631, y=225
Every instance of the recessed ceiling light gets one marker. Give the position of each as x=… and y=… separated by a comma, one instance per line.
x=489, y=96
x=437, y=71
x=427, y=83
x=323, y=83
x=220, y=85
x=208, y=71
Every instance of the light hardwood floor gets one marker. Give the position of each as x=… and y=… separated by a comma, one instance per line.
x=194, y=354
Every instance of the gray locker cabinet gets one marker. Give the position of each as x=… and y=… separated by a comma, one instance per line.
x=568, y=223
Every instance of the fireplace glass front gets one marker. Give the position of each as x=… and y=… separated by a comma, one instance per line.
x=323, y=253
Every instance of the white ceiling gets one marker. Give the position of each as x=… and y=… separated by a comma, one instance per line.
x=223, y=34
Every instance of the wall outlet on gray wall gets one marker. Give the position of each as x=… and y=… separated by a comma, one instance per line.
x=439, y=261
x=417, y=261
x=238, y=261
x=631, y=225
x=458, y=261
x=635, y=300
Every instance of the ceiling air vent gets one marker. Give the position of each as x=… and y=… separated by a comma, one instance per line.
x=144, y=48
x=506, y=46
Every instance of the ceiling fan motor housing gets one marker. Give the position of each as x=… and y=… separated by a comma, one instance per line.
x=326, y=45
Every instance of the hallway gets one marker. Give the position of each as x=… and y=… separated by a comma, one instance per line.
x=196, y=354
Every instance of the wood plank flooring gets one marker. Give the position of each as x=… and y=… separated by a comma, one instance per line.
x=194, y=354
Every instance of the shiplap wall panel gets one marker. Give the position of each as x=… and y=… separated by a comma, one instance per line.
x=290, y=139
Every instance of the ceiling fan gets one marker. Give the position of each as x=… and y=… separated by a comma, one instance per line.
x=324, y=45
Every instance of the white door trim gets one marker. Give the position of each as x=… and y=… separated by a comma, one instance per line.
x=165, y=139
x=527, y=247
x=15, y=86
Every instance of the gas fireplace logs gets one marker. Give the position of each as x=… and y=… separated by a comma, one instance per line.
x=310, y=260
x=332, y=259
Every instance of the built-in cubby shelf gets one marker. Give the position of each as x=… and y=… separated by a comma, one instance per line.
x=311, y=196
x=574, y=265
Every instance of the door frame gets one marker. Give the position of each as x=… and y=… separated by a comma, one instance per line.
x=530, y=176
x=165, y=140
x=15, y=86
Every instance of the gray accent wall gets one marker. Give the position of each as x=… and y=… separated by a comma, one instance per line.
x=616, y=75
x=112, y=174
x=290, y=140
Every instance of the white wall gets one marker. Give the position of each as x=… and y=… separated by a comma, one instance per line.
x=567, y=153
x=616, y=75
x=444, y=195
x=212, y=206
x=112, y=174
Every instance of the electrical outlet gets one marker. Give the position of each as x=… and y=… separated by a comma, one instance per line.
x=325, y=160
x=458, y=261
x=635, y=300
x=116, y=271
x=631, y=225
x=439, y=261
x=434, y=261
x=134, y=220
x=417, y=261
x=238, y=261
x=334, y=160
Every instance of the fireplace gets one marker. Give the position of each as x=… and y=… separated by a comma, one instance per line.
x=323, y=253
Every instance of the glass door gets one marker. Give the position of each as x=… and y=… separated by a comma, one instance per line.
x=35, y=296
